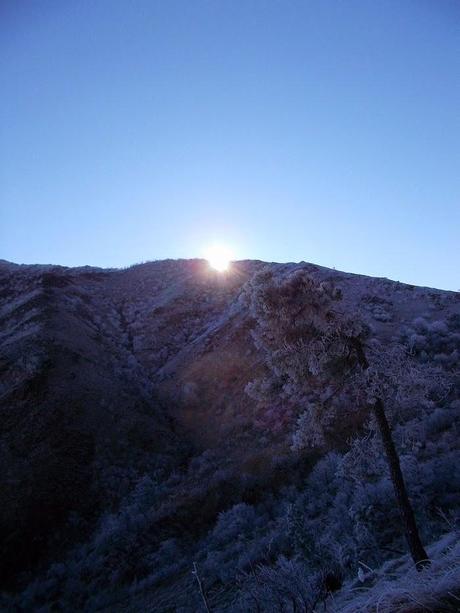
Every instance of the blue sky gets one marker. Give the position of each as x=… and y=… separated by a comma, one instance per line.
x=325, y=131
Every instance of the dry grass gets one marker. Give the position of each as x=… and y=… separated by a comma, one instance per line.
x=399, y=588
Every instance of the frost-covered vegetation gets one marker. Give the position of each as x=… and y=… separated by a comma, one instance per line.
x=162, y=454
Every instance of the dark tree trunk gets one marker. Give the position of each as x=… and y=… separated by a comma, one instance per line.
x=416, y=548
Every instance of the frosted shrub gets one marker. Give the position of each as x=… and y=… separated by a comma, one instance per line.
x=438, y=341
x=239, y=539
x=286, y=586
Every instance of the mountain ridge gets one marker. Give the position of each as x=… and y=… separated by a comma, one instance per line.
x=111, y=375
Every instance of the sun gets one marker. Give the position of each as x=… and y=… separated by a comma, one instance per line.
x=219, y=257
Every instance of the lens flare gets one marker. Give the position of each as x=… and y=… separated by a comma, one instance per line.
x=219, y=257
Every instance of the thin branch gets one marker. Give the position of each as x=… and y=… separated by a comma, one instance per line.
x=200, y=587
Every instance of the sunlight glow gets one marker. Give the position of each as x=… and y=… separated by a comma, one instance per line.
x=219, y=257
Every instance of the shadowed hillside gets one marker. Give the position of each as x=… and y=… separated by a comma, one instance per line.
x=131, y=446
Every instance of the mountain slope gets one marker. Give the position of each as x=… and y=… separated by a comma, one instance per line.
x=123, y=395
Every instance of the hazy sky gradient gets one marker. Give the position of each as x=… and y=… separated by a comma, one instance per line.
x=325, y=131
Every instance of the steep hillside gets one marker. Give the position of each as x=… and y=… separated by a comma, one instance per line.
x=131, y=447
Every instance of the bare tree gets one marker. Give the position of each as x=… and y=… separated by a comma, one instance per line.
x=315, y=350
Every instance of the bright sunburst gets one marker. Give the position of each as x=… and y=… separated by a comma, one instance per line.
x=219, y=257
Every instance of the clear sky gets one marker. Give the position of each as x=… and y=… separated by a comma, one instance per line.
x=320, y=130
